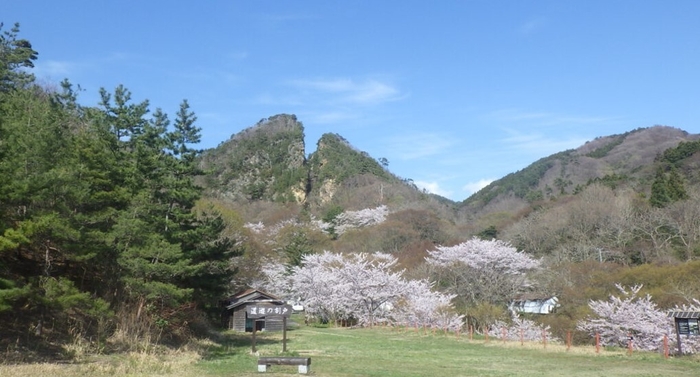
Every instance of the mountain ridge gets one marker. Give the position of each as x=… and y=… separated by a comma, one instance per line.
x=628, y=156
x=291, y=176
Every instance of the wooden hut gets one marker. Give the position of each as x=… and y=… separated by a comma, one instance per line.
x=234, y=314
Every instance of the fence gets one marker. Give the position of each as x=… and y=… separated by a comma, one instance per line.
x=526, y=337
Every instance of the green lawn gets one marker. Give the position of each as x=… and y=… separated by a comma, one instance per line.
x=383, y=352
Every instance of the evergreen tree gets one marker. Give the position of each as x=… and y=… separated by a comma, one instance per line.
x=169, y=255
x=96, y=208
x=659, y=190
x=15, y=54
x=667, y=189
x=676, y=187
x=488, y=234
x=298, y=247
x=43, y=253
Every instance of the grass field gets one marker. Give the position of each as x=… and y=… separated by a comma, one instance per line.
x=374, y=352
x=382, y=352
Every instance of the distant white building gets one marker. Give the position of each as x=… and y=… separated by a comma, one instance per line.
x=296, y=306
x=531, y=304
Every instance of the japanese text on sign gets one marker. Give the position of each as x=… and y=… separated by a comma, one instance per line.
x=268, y=310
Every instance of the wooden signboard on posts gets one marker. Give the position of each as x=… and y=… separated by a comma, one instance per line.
x=263, y=310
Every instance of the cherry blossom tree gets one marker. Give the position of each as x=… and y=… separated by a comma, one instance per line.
x=481, y=271
x=257, y=228
x=319, y=288
x=275, y=280
x=422, y=306
x=341, y=223
x=628, y=315
x=366, y=288
x=355, y=286
x=372, y=283
x=355, y=219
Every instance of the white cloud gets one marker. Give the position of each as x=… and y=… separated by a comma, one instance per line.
x=540, y=144
x=58, y=70
x=542, y=133
x=53, y=69
x=373, y=92
x=348, y=91
x=473, y=187
x=433, y=188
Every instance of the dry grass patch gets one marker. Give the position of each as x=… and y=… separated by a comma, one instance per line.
x=173, y=363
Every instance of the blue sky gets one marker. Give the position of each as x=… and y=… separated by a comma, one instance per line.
x=453, y=93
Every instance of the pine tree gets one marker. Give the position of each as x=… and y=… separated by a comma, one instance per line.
x=659, y=190
x=96, y=207
x=15, y=56
x=676, y=187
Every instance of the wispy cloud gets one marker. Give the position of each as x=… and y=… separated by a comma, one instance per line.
x=541, y=132
x=54, y=69
x=433, y=188
x=472, y=187
x=419, y=145
x=540, y=144
x=349, y=91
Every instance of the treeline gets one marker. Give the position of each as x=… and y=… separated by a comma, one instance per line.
x=98, y=232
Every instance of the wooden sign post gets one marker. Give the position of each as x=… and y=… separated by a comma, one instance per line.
x=267, y=310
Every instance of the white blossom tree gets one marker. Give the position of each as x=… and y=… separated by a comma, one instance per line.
x=372, y=283
x=355, y=219
x=362, y=287
x=275, y=280
x=620, y=318
x=257, y=228
x=481, y=271
x=422, y=306
x=320, y=288
x=355, y=286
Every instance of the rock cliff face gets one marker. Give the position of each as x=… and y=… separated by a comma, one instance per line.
x=263, y=162
x=268, y=162
x=335, y=163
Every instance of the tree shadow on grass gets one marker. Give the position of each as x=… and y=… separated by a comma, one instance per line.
x=236, y=343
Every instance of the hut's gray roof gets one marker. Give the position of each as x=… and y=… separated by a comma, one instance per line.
x=682, y=314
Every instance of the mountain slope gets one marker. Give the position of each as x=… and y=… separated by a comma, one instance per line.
x=624, y=159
